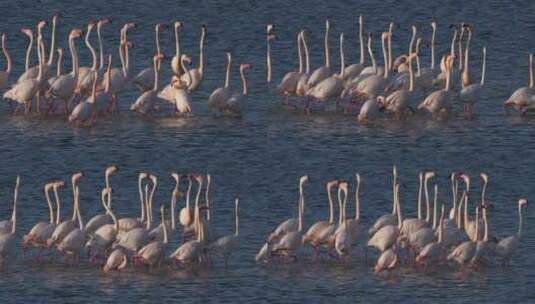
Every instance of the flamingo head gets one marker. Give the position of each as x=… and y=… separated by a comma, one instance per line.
x=104, y=21
x=466, y=179
x=142, y=176
x=48, y=186
x=111, y=170
x=522, y=202
x=41, y=24
x=245, y=66
x=58, y=184
x=204, y=29
x=4, y=37
x=153, y=178
x=429, y=175
x=381, y=102
x=413, y=29
x=76, y=177
x=176, y=177
x=434, y=24
x=178, y=24
x=484, y=177
x=185, y=58
x=303, y=179
x=160, y=26
x=91, y=25
x=332, y=183
x=75, y=33
x=28, y=32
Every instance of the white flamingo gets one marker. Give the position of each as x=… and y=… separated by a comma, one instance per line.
x=235, y=104
x=390, y=218
x=104, y=98
x=463, y=253
x=220, y=95
x=302, y=84
x=103, y=218
x=42, y=230
x=288, y=84
x=524, y=95
x=441, y=100
x=84, y=112
x=148, y=99
x=192, y=250
x=426, y=235
x=343, y=238
x=84, y=80
x=470, y=94
x=325, y=71
x=105, y=235
x=73, y=243
x=117, y=260
x=33, y=72
x=412, y=225
x=182, y=97
x=387, y=236
x=291, y=242
x=428, y=75
x=226, y=245
x=354, y=70
x=330, y=87
x=291, y=224
x=434, y=251
x=388, y=260
x=154, y=252
x=354, y=224
x=65, y=85
x=7, y=240
x=312, y=235
x=145, y=79
x=196, y=75
x=6, y=226
x=507, y=247
x=186, y=213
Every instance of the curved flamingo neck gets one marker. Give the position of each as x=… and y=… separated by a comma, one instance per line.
x=100, y=46
x=177, y=42
x=342, y=57
x=6, y=54
x=28, y=52
x=435, y=207
x=201, y=53
x=307, y=58
x=227, y=74
x=49, y=203
x=461, y=62
x=58, y=206
x=484, y=68
x=141, y=199
x=433, y=47
x=207, y=195
x=58, y=68
x=268, y=57
x=72, y=48
x=331, y=207
x=243, y=81
x=398, y=207
x=156, y=66
x=299, y=53
x=385, y=54
x=372, y=57
x=326, y=42
x=107, y=76
x=420, y=197
x=91, y=49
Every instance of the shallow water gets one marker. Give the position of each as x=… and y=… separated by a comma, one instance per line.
x=262, y=155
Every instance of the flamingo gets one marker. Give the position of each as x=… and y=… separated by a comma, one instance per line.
x=234, y=105
x=343, y=238
x=441, y=78
x=470, y=94
x=354, y=224
x=154, y=252
x=104, y=98
x=147, y=100
x=522, y=96
x=100, y=24
x=52, y=79
x=116, y=261
x=226, y=245
x=196, y=75
x=441, y=100
x=291, y=224
x=158, y=233
x=128, y=223
x=145, y=79
x=354, y=70
x=33, y=72
x=24, y=90
x=411, y=225
x=390, y=218
x=65, y=85
x=191, y=229
x=288, y=84
x=180, y=87
x=330, y=87
x=507, y=247
x=291, y=242
x=106, y=234
x=4, y=75
x=102, y=219
x=175, y=62
x=7, y=240
x=269, y=39
x=463, y=253
x=388, y=260
x=192, y=250
x=84, y=81
x=73, y=243
x=302, y=85
x=220, y=95
x=387, y=236
x=65, y=227
x=398, y=101
x=186, y=213
x=427, y=75
x=313, y=233
x=84, y=112
x=6, y=226
x=426, y=235
x=484, y=248
x=433, y=251
x=325, y=71
x=470, y=225
x=465, y=74
x=42, y=230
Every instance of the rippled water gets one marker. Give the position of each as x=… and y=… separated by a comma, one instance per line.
x=262, y=155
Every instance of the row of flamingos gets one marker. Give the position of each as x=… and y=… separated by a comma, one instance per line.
x=398, y=88
x=115, y=242
x=436, y=237
x=87, y=92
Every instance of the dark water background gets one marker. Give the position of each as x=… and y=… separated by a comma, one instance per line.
x=262, y=155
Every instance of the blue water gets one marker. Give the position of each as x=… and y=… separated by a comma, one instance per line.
x=262, y=155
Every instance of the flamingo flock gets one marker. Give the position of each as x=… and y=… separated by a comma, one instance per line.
x=87, y=93
x=434, y=236
x=400, y=87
